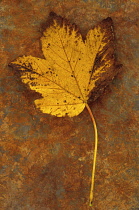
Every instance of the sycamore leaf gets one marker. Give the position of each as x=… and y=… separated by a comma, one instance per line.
x=72, y=67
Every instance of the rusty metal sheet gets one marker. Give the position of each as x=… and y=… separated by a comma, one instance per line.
x=47, y=161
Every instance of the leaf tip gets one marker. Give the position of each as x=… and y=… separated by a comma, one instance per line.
x=53, y=14
x=108, y=19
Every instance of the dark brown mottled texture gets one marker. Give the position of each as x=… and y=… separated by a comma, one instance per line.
x=46, y=160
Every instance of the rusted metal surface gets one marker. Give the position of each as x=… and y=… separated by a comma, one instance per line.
x=47, y=161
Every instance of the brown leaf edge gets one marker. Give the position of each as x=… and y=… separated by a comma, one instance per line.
x=103, y=82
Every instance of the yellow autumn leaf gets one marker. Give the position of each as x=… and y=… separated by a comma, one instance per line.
x=72, y=67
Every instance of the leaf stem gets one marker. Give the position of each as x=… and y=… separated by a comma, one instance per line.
x=95, y=154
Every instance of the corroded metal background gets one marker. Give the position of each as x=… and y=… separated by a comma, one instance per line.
x=47, y=161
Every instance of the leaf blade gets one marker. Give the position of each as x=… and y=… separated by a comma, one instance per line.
x=72, y=67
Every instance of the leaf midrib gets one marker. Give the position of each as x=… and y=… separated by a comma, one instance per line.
x=71, y=68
